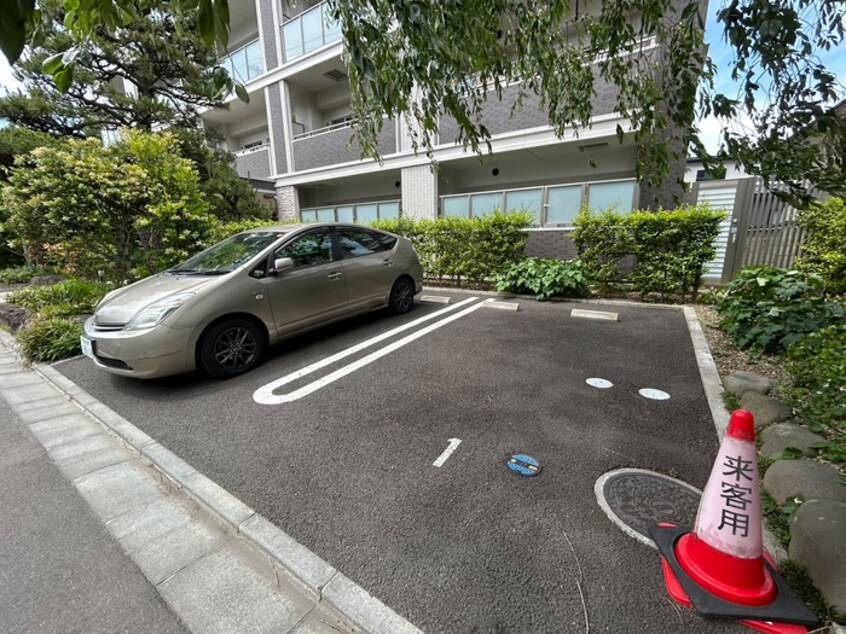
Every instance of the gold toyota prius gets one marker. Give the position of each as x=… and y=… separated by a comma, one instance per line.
x=221, y=309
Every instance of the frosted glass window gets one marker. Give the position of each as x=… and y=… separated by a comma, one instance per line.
x=618, y=196
x=331, y=29
x=308, y=215
x=346, y=214
x=485, y=203
x=389, y=210
x=564, y=205
x=528, y=200
x=312, y=29
x=456, y=206
x=366, y=214
x=254, y=63
x=327, y=214
x=293, y=37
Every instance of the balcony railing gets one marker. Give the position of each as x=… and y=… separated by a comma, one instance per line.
x=246, y=63
x=308, y=32
x=316, y=131
x=359, y=213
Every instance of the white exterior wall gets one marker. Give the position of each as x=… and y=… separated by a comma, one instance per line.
x=419, y=192
x=720, y=195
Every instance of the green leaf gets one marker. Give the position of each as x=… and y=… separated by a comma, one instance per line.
x=53, y=64
x=14, y=19
x=64, y=78
x=205, y=22
x=242, y=93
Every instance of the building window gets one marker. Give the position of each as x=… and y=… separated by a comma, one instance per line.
x=619, y=196
x=363, y=213
x=309, y=31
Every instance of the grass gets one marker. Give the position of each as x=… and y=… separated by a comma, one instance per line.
x=50, y=339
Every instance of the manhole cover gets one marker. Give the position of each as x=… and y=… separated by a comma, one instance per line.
x=524, y=465
x=602, y=384
x=653, y=394
x=635, y=499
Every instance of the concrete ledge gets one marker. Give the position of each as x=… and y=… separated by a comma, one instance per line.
x=597, y=315
x=363, y=608
x=707, y=372
x=435, y=299
x=168, y=462
x=218, y=499
x=309, y=569
x=512, y=306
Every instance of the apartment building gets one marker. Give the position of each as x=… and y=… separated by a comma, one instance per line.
x=291, y=139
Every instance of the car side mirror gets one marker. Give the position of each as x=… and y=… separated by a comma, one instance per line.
x=280, y=265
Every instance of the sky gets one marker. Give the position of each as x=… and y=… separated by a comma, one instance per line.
x=835, y=61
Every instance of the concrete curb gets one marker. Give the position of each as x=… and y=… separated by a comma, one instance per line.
x=711, y=382
x=318, y=578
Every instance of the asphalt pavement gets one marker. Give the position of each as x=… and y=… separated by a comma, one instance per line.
x=62, y=572
x=347, y=469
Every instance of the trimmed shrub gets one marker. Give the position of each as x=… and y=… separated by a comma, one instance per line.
x=65, y=299
x=670, y=247
x=50, y=339
x=473, y=249
x=545, y=278
x=19, y=274
x=817, y=367
x=767, y=309
x=824, y=245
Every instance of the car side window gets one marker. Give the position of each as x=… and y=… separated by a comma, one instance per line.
x=312, y=249
x=358, y=242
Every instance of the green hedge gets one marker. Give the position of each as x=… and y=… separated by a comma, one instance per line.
x=670, y=247
x=474, y=249
x=824, y=245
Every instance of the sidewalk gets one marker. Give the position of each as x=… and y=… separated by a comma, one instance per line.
x=94, y=539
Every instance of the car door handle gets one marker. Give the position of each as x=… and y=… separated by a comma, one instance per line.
x=388, y=262
x=334, y=276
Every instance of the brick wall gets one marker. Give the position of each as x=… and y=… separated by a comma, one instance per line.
x=419, y=192
x=274, y=100
x=255, y=164
x=330, y=148
x=497, y=113
x=550, y=243
x=269, y=34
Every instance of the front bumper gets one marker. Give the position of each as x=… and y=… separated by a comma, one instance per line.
x=144, y=354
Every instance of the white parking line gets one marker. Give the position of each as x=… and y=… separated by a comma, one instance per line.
x=453, y=445
x=265, y=395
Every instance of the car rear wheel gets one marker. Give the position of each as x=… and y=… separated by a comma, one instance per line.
x=402, y=296
x=231, y=348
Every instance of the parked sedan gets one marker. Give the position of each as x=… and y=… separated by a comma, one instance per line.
x=221, y=309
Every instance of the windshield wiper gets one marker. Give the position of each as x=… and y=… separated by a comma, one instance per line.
x=181, y=271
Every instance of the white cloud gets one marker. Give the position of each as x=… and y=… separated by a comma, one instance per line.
x=7, y=81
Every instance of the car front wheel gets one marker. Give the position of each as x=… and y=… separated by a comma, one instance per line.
x=402, y=296
x=231, y=348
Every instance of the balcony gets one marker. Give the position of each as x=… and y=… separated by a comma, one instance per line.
x=253, y=162
x=308, y=32
x=245, y=63
x=328, y=146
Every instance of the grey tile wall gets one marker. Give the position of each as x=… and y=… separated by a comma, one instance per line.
x=330, y=148
x=270, y=31
x=277, y=117
x=256, y=164
x=550, y=243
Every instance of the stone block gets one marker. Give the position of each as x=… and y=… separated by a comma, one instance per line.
x=778, y=437
x=765, y=409
x=806, y=478
x=740, y=382
x=817, y=542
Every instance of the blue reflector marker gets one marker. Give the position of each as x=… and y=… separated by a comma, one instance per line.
x=524, y=465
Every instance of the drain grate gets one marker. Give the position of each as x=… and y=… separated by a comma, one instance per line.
x=524, y=465
x=636, y=499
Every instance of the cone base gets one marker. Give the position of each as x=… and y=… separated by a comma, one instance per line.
x=786, y=609
x=744, y=581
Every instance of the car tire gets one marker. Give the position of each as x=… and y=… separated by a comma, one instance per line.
x=402, y=296
x=231, y=348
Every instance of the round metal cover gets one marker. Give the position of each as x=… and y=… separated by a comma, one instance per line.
x=602, y=384
x=524, y=465
x=652, y=393
x=636, y=499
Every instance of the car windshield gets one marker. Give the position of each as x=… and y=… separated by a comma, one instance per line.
x=226, y=256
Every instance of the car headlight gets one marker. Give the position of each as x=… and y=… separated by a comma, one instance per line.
x=157, y=312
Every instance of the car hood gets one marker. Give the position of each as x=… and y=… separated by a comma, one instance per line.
x=124, y=303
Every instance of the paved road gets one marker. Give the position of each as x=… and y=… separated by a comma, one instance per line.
x=467, y=547
x=61, y=571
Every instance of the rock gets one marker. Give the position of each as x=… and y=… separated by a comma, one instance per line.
x=765, y=409
x=776, y=438
x=817, y=542
x=812, y=480
x=740, y=382
x=13, y=316
x=46, y=280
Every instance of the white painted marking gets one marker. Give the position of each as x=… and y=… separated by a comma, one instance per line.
x=265, y=395
x=602, y=384
x=435, y=299
x=594, y=314
x=653, y=394
x=453, y=445
x=504, y=306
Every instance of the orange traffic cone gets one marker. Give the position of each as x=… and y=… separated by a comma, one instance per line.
x=720, y=567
